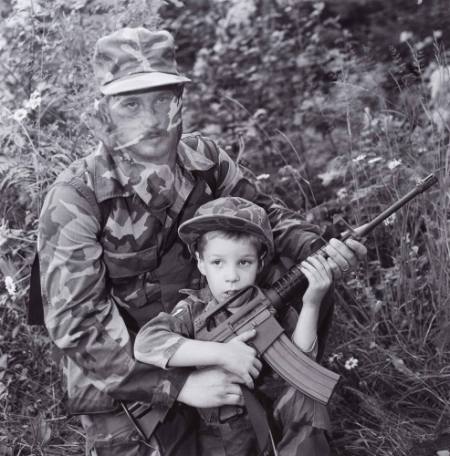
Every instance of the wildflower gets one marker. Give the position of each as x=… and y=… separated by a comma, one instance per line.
x=374, y=160
x=34, y=101
x=391, y=219
x=10, y=286
x=437, y=34
x=3, y=235
x=3, y=42
x=342, y=193
x=20, y=114
x=405, y=36
x=360, y=157
x=443, y=453
x=351, y=363
x=260, y=113
x=334, y=357
x=439, y=82
x=377, y=306
x=367, y=117
x=392, y=164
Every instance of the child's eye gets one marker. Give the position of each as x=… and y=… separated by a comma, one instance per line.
x=246, y=262
x=216, y=262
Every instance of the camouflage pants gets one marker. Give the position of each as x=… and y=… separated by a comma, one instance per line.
x=298, y=423
x=112, y=434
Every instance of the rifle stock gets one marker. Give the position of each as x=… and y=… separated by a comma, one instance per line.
x=257, y=309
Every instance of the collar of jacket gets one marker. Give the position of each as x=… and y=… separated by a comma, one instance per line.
x=108, y=182
x=203, y=295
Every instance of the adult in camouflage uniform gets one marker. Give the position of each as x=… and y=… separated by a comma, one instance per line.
x=298, y=420
x=109, y=255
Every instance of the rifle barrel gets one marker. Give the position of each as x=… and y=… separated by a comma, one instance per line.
x=289, y=284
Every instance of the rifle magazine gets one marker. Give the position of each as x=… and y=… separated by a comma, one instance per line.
x=303, y=373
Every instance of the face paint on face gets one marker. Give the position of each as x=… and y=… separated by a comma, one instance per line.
x=174, y=113
x=147, y=125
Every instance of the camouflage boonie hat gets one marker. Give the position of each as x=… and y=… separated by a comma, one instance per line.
x=135, y=59
x=228, y=213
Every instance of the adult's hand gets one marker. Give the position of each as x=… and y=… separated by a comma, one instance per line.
x=343, y=256
x=211, y=387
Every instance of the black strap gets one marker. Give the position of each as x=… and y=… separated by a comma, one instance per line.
x=35, y=309
x=260, y=423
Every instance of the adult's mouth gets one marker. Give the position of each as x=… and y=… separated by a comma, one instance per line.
x=154, y=134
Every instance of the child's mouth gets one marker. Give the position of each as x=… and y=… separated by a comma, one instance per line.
x=230, y=293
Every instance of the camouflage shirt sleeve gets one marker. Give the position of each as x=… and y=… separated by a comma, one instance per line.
x=292, y=234
x=158, y=340
x=82, y=319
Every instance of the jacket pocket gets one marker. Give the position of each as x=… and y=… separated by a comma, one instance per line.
x=127, y=274
x=130, y=264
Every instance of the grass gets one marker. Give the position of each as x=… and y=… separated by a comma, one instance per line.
x=392, y=315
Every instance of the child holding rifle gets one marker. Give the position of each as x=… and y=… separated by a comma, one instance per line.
x=231, y=239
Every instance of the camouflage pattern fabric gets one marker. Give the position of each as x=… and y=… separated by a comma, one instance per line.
x=300, y=421
x=229, y=213
x=94, y=272
x=109, y=435
x=135, y=59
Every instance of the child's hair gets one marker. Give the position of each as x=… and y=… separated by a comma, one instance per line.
x=230, y=234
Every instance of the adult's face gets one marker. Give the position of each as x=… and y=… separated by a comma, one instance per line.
x=146, y=124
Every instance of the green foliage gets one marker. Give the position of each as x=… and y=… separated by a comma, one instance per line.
x=335, y=124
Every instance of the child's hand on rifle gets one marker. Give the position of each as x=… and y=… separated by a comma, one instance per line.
x=240, y=359
x=320, y=277
x=319, y=273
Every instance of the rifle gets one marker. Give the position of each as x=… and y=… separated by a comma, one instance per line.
x=257, y=309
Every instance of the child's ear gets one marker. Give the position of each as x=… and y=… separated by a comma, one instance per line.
x=200, y=263
x=261, y=262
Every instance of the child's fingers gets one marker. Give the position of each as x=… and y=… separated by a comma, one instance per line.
x=245, y=336
x=307, y=270
x=254, y=372
x=248, y=380
x=321, y=266
x=326, y=268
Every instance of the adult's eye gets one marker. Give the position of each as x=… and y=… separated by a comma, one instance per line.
x=164, y=99
x=130, y=105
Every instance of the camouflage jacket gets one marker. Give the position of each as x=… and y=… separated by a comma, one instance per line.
x=109, y=263
x=159, y=339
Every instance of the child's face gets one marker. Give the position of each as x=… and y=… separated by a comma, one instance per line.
x=228, y=265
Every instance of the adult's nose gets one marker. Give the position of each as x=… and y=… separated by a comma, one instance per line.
x=151, y=119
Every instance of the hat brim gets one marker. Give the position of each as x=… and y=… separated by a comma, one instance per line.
x=141, y=81
x=191, y=230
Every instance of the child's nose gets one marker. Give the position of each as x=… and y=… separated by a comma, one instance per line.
x=231, y=274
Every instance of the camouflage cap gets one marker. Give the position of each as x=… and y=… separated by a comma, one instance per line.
x=228, y=213
x=135, y=59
